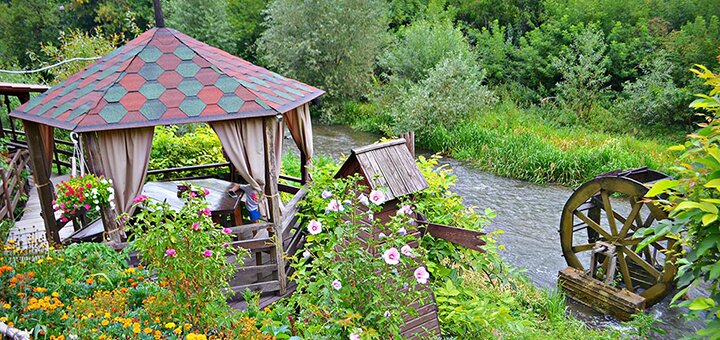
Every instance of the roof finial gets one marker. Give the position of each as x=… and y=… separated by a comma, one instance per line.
x=159, y=20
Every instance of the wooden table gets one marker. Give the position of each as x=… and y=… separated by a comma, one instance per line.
x=222, y=206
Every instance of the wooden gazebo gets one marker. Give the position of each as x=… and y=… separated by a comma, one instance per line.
x=164, y=77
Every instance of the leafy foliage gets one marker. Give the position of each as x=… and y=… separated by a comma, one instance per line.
x=193, y=145
x=330, y=44
x=204, y=20
x=693, y=200
x=583, y=67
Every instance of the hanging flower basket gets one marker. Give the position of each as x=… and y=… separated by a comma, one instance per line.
x=81, y=194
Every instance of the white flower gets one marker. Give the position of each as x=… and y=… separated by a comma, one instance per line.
x=103, y=181
x=94, y=191
x=404, y=210
x=407, y=251
x=334, y=205
x=377, y=197
x=314, y=227
x=87, y=195
x=402, y=231
x=381, y=235
x=97, y=207
x=326, y=194
x=336, y=284
x=391, y=256
x=371, y=216
x=112, y=205
x=306, y=254
x=96, y=201
x=354, y=336
x=421, y=275
x=364, y=200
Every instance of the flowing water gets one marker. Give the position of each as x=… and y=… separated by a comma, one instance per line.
x=529, y=215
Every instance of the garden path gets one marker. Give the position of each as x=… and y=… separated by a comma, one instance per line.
x=29, y=231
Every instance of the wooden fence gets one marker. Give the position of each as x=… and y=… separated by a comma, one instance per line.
x=13, y=184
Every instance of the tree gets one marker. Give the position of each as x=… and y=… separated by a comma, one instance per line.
x=583, y=70
x=204, y=20
x=246, y=18
x=24, y=24
x=331, y=44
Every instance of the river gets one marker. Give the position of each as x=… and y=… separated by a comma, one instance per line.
x=529, y=215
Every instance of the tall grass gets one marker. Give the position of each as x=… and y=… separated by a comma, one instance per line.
x=514, y=142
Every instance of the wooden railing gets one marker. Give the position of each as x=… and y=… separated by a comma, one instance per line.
x=13, y=185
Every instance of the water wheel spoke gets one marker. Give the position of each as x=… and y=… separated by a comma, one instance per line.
x=625, y=271
x=629, y=222
x=649, y=221
x=584, y=247
x=608, y=211
x=637, y=259
x=593, y=225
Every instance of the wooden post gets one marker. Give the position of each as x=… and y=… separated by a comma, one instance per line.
x=410, y=141
x=113, y=230
x=304, y=175
x=271, y=192
x=42, y=179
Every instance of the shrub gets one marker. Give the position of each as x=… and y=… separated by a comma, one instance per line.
x=693, y=200
x=583, y=70
x=653, y=97
x=187, y=252
x=175, y=148
x=452, y=91
x=423, y=45
x=348, y=285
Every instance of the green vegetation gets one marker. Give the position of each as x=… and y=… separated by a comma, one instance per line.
x=693, y=200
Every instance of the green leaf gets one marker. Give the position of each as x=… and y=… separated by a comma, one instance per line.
x=660, y=187
x=701, y=303
x=678, y=147
x=709, y=218
x=713, y=183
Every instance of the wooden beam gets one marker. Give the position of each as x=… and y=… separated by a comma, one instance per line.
x=271, y=193
x=304, y=175
x=42, y=180
x=114, y=232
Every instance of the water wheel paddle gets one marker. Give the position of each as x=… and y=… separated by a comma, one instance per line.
x=605, y=213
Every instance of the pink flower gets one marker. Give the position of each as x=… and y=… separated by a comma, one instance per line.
x=407, y=251
x=87, y=206
x=314, y=227
x=391, y=256
x=364, y=200
x=206, y=191
x=377, y=197
x=336, y=284
x=227, y=231
x=354, y=336
x=140, y=198
x=196, y=226
x=225, y=245
x=205, y=212
x=170, y=252
x=193, y=194
x=334, y=205
x=421, y=275
x=404, y=210
x=387, y=314
x=207, y=253
x=326, y=194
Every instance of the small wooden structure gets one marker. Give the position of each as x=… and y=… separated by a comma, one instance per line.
x=12, y=184
x=597, y=234
x=391, y=167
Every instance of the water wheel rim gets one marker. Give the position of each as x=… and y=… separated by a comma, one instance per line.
x=619, y=234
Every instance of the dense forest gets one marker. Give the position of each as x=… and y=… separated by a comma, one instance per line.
x=546, y=91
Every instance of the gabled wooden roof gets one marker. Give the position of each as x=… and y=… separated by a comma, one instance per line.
x=388, y=166
x=164, y=77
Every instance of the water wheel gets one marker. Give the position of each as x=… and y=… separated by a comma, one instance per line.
x=605, y=213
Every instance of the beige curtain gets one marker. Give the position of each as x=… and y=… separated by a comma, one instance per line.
x=300, y=126
x=124, y=155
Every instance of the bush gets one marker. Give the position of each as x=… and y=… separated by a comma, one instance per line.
x=175, y=148
x=423, y=45
x=452, y=91
x=653, y=97
x=583, y=69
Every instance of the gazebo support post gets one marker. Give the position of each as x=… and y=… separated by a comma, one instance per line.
x=42, y=179
x=113, y=230
x=271, y=192
x=304, y=176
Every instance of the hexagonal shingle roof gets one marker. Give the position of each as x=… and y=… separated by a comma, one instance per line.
x=164, y=77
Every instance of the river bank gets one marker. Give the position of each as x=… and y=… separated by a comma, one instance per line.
x=536, y=144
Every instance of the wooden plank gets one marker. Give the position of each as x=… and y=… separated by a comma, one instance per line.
x=269, y=286
x=370, y=147
x=599, y=296
x=260, y=243
x=246, y=228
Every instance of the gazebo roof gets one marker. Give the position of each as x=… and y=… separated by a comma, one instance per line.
x=164, y=77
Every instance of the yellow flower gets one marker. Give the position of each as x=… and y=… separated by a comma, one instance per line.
x=11, y=241
x=102, y=337
x=170, y=325
x=191, y=336
x=177, y=331
x=40, y=261
x=147, y=330
x=107, y=315
x=6, y=306
x=267, y=310
x=68, y=280
x=55, y=294
x=105, y=322
x=64, y=316
x=187, y=326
